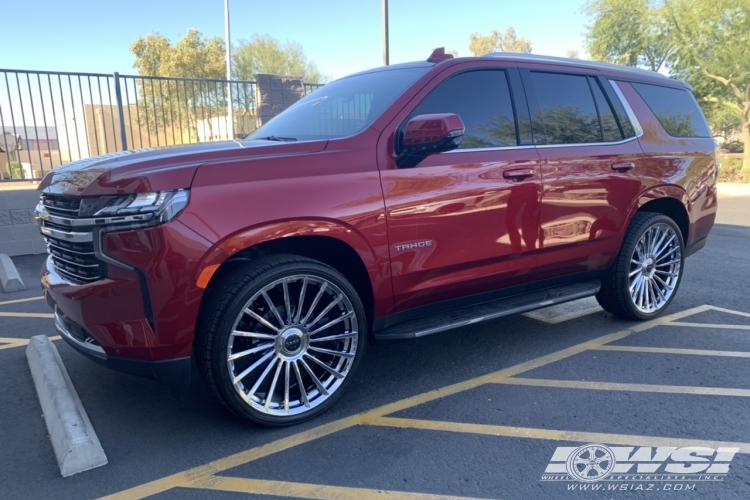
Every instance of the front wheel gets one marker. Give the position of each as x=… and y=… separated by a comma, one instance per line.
x=281, y=339
x=648, y=270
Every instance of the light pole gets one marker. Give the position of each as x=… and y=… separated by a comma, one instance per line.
x=385, y=32
x=230, y=106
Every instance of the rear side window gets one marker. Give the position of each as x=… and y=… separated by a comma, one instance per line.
x=482, y=99
x=610, y=127
x=567, y=113
x=675, y=109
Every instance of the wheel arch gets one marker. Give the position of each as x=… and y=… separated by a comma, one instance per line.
x=328, y=242
x=671, y=201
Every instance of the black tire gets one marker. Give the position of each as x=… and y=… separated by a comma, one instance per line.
x=222, y=312
x=615, y=294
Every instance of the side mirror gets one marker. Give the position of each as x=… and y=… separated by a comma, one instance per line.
x=426, y=135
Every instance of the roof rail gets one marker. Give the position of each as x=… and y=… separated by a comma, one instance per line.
x=515, y=56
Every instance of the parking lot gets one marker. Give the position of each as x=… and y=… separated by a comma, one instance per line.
x=476, y=412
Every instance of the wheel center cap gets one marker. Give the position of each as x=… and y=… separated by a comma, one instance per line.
x=648, y=266
x=291, y=341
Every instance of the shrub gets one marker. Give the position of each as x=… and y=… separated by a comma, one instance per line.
x=730, y=171
x=14, y=170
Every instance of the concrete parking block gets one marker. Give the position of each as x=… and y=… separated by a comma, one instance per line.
x=76, y=446
x=10, y=280
x=564, y=312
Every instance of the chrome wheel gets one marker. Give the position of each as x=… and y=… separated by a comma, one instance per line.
x=655, y=268
x=292, y=345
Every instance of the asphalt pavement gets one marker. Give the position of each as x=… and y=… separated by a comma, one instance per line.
x=474, y=412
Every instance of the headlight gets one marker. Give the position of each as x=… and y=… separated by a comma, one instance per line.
x=157, y=207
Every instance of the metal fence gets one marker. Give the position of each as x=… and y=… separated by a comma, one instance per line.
x=48, y=119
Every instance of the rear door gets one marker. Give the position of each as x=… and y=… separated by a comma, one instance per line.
x=460, y=223
x=590, y=163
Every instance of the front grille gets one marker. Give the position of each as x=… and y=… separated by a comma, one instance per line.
x=75, y=261
x=62, y=206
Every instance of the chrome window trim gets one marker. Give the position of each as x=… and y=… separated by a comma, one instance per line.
x=628, y=110
x=580, y=144
x=502, y=148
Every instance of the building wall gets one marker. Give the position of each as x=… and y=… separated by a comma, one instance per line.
x=18, y=234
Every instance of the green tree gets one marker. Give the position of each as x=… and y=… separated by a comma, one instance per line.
x=179, y=104
x=629, y=32
x=264, y=54
x=713, y=38
x=498, y=42
x=572, y=54
x=704, y=42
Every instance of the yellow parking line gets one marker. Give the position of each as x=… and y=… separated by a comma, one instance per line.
x=26, y=315
x=730, y=311
x=193, y=477
x=671, y=350
x=204, y=475
x=316, y=491
x=18, y=301
x=8, y=343
x=710, y=325
x=550, y=434
x=616, y=386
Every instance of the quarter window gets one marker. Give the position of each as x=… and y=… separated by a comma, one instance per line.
x=675, y=109
x=482, y=99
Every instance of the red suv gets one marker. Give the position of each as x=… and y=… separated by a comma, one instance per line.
x=393, y=203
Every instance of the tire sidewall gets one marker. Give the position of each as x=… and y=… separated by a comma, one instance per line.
x=628, y=253
x=226, y=324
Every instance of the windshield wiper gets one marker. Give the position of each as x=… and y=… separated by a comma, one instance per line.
x=275, y=138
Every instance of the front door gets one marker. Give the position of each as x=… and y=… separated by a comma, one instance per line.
x=466, y=221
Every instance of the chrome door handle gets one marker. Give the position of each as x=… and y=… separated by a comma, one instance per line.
x=519, y=174
x=623, y=166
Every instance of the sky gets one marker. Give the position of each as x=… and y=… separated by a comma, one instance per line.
x=341, y=36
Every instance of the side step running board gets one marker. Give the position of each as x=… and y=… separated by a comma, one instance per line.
x=475, y=313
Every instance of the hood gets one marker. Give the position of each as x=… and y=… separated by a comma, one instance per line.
x=157, y=169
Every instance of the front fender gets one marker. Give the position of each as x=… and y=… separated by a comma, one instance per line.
x=256, y=235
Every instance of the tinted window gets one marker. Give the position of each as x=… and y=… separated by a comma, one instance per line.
x=566, y=112
x=616, y=98
x=482, y=100
x=610, y=128
x=675, y=109
x=341, y=108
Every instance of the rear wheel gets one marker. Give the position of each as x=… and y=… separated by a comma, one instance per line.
x=648, y=270
x=281, y=339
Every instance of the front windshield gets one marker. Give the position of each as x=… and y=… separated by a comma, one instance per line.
x=340, y=108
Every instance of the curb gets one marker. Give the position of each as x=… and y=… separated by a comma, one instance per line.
x=73, y=438
x=10, y=280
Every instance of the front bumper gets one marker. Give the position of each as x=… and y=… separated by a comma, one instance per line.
x=140, y=318
x=169, y=372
